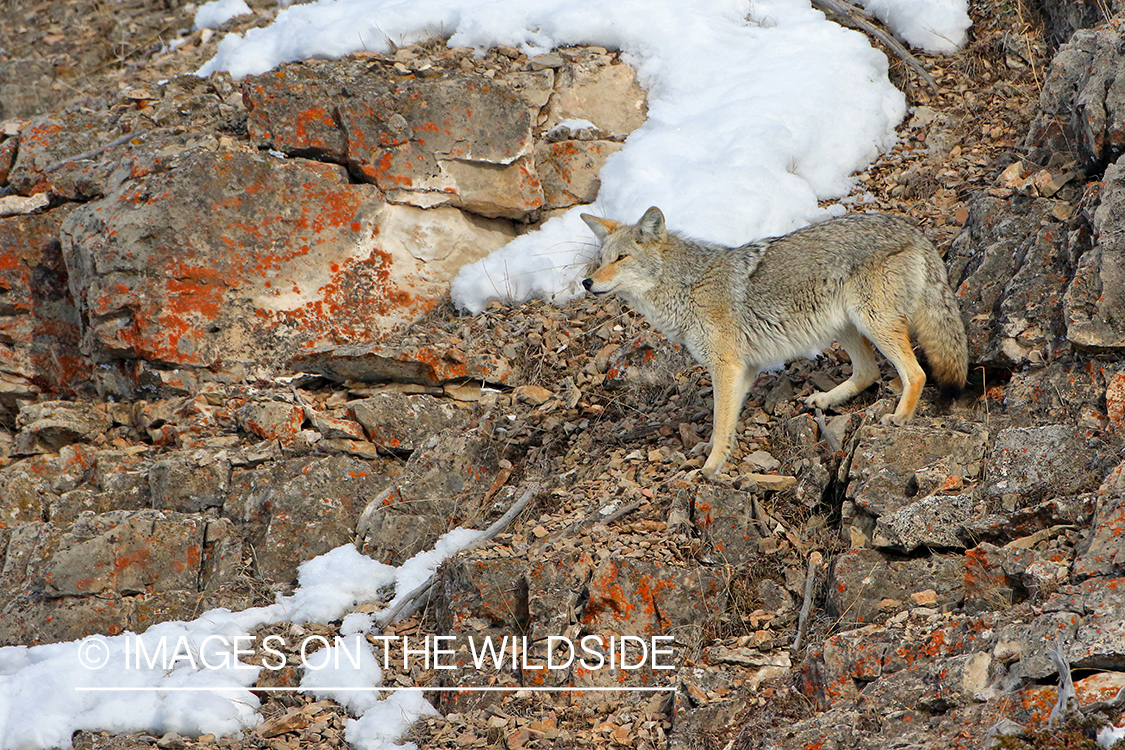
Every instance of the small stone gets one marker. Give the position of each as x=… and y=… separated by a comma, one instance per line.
x=535, y=395
x=763, y=462
x=518, y=738
x=698, y=697
x=923, y=116
x=926, y=598
x=12, y=205
x=292, y=720
x=773, y=482
x=549, y=60
x=171, y=741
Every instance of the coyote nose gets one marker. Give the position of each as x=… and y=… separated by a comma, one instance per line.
x=587, y=283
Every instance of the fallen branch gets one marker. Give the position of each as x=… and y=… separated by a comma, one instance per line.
x=806, y=605
x=846, y=14
x=620, y=513
x=91, y=154
x=765, y=521
x=1068, y=699
x=413, y=600
x=833, y=443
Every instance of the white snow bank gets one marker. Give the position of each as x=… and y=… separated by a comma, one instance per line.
x=47, y=682
x=752, y=118
x=932, y=25
x=214, y=14
x=1109, y=736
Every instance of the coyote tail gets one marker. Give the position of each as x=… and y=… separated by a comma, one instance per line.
x=939, y=329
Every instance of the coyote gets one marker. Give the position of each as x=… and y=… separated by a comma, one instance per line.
x=859, y=280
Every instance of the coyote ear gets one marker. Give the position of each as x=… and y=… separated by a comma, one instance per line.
x=600, y=227
x=652, y=225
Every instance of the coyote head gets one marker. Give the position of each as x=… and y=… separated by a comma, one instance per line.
x=631, y=255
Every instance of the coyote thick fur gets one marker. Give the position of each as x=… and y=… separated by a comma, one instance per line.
x=860, y=280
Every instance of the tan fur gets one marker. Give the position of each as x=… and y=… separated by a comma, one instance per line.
x=860, y=280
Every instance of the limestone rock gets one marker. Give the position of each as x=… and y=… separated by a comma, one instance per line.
x=1083, y=99
x=82, y=154
x=569, y=170
x=609, y=96
x=1059, y=459
x=899, y=480
x=294, y=509
x=1104, y=553
x=48, y=140
x=39, y=324
x=1009, y=268
x=1095, y=301
x=443, y=239
x=933, y=521
x=126, y=552
x=288, y=256
x=401, y=423
x=190, y=483
x=725, y=516
x=461, y=140
x=272, y=420
x=291, y=108
x=47, y=426
x=862, y=578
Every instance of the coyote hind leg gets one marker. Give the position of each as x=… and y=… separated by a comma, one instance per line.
x=893, y=340
x=865, y=371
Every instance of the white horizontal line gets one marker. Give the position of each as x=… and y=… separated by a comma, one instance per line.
x=182, y=689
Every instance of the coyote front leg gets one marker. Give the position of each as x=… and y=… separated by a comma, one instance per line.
x=730, y=381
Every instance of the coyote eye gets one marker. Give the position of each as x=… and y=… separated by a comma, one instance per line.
x=621, y=257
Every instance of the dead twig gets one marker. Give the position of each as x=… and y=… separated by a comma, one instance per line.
x=1067, y=702
x=806, y=605
x=765, y=522
x=846, y=14
x=833, y=443
x=95, y=152
x=620, y=513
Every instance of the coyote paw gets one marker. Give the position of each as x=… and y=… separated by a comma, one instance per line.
x=892, y=419
x=701, y=448
x=820, y=400
x=714, y=464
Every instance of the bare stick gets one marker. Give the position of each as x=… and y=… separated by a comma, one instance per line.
x=833, y=443
x=95, y=152
x=489, y=533
x=620, y=513
x=1067, y=699
x=803, y=618
x=848, y=15
x=765, y=521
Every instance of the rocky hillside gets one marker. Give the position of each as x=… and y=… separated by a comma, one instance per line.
x=226, y=347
